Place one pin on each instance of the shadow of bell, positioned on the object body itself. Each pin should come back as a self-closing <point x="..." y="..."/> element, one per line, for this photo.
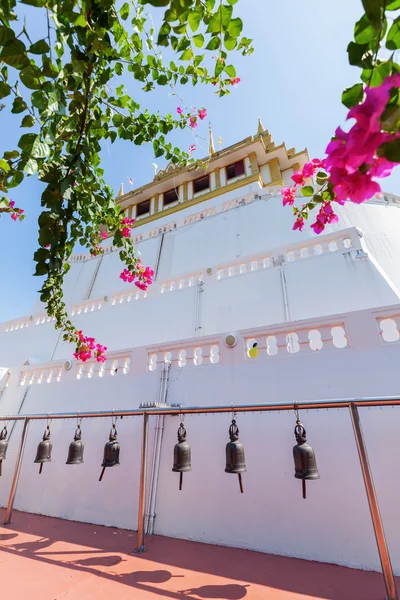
<point x="147" y="577"/>
<point x="224" y="592"/>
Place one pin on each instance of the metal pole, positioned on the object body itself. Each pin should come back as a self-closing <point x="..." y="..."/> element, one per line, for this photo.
<point x="212" y="409"/>
<point x="142" y="487"/>
<point x="373" y="506"/>
<point x="16" y="473"/>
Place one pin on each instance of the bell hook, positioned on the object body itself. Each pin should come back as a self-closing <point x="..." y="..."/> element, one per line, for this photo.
<point x="305" y="464"/>
<point x="3" y="445"/>
<point x="235" y="462"/>
<point x="182" y="455"/>
<point x="111" y="451"/>
<point x="75" y="450"/>
<point x="43" y="454"/>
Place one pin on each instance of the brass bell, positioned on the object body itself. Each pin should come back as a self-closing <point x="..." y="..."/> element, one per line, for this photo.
<point x="3" y="445"/>
<point x="75" y="451"/>
<point x="305" y="464"/>
<point x="182" y="455"/>
<point x="111" y="452"/>
<point x="235" y="454"/>
<point x="43" y="454"/>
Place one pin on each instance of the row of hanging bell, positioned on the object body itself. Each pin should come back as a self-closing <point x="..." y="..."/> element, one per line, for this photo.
<point x="303" y="455"/>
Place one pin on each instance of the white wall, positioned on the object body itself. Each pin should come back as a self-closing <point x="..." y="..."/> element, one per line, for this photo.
<point x="332" y="525"/>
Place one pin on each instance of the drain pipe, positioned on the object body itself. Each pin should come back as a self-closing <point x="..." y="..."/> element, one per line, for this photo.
<point x="158" y="259"/>
<point x="94" y="277"/>
<point x="197" y="309"/>
<point x="157" y="453"/>
<point x="284" y="293"/>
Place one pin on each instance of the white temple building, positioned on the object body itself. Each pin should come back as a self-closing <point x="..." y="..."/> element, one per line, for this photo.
<point x="229" y="272"/>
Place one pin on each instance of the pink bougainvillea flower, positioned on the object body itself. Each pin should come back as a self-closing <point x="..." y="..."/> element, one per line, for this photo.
<point x="125" y="232"/>
<point x="12" y="203"/>
<point x="141" y="285"/>
<point x="47" y="246"/>
<point x="103" y="234"/>
<point x="299" y="224"/>
<point x="14" y="216"/>
<point x="235" y="80"/>
<point x="318" y="227"/>
<point x="202" y="113"/>
<point x="289" y="195"/>
<point x="20" y="211"/>
<point x="179" y="110"/>
<point x="356" y="187"/>
<point x="127" y="221"/>
<point x="381" y="167"/>
<point x="298" y="177"/>
<point x="193" y="122"/>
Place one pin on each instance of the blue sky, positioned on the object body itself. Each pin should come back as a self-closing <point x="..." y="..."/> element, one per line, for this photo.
<point x="293" y="81"/>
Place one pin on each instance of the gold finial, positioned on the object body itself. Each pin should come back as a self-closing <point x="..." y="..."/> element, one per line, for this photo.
<point x="121" y="190"/>
<point x="211" y="147"/>
<point x="260" y="128"/>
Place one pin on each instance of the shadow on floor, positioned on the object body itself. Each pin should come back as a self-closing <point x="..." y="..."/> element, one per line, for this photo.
<point x="318" y="580"/>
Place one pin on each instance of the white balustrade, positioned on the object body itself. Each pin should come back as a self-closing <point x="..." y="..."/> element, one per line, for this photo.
<point x="389" y="327"/>
<point x="193" y="354"/>
<point x="300" y="339"/>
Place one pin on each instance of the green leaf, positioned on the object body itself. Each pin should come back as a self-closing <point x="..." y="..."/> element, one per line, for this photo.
<point x="235" y="27"/>
<point x="393" y="5"/>
<point x="14" y="54"/>
<point x="18" y="106"/>
<point x="80" y="21"/>
<point x="28" y="121"/>
<point x="380" y="73"/>
<point x="307" y="190"/>
<point x="6" y="35"/>
<point x="31" y="167"/>
<point x="214" y="43"/>
<point x="198" y="40"/>
<point x="156" y="2"/>
<point x="373" y="10"/>
<point x="30" y="143"/>
<point x="360" y="55"/>
<point x="187" y="55"/>
<point x="230" y="43"/>
<point x="30" y="77"/>
<point x="364" y="32"/>
<point x="352" y="96"/>
<point x="124" y="11"/>
<point x="232" y="2"/>
<point x="393" y="36"/>
<point x="117" y="120"/>
<point x="4" y="89"/>
<point x="390" y="150"/>
<point x="4" y="165"/>
<point x="194" y="19"/>
<point x="37" y="3"/>
<point x="40" y="47"/>
<point x="230" y="71"/>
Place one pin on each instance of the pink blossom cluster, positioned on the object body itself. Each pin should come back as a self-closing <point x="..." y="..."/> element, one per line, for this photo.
<point x="325" y="216"/>
<point x="235" y="81"/>
<point x="201" y="114"/>
<point x="87" y="347"/>
<point x="16" y="213"/>
<point x="142" y="277"/>
<point x="126" y="230"/>
<point x="352" y="160"/>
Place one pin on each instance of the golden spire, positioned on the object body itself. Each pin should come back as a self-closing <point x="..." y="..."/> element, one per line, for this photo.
<point x="260" y="128"/>
<point x="211" y="147"/>
<point x="121" y="190"/>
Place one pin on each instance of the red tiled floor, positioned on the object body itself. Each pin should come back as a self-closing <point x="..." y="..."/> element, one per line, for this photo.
<point x="48" y="559"/>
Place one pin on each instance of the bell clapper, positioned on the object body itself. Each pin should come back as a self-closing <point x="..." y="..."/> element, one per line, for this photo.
<point x="1" y="462"/>
<point x="240" y="482"/>
<point x="40" y="468"/>
<point x="102" y="473"/>
<point x="180" y="481"/>
<point x="304" y="488"/>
